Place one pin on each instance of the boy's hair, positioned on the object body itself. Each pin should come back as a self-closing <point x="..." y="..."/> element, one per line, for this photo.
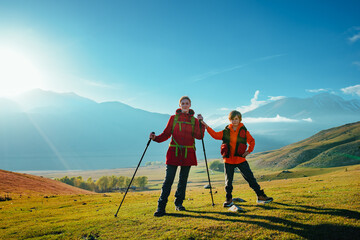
<point x="233" y="114"/>
<point x="184" y="97"/>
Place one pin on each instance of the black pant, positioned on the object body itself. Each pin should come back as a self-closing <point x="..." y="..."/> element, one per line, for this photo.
<point x="169" y="179"/>
<point x="247" y="174"/>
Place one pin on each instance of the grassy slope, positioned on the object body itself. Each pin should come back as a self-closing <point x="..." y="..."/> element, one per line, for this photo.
<point x="318" y="207"/>
<point x="329" y="148"/>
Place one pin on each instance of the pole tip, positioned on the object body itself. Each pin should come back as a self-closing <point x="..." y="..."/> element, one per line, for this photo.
<point x="115" y="215"/>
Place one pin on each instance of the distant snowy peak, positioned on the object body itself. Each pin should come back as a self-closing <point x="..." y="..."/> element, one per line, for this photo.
<point x="319" y="106"/>
<point x="330" y="100"/>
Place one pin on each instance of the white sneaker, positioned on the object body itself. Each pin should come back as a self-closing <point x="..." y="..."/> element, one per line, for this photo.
<point x="228" y="203"/>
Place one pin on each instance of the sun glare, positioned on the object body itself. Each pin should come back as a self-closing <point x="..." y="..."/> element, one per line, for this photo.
<point x="17" y="73"/>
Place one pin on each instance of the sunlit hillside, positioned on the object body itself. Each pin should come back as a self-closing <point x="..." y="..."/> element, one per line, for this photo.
<point x="338" y="146"/>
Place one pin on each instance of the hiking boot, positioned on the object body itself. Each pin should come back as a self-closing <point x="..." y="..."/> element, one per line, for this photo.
<point x="159" y="213"/>
<point x="262" y="198"/>
<point x="228" y="203"/>
<point x="180" y="208"/>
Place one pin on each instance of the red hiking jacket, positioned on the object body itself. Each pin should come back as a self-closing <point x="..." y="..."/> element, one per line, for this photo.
<point x="184" y="154"/>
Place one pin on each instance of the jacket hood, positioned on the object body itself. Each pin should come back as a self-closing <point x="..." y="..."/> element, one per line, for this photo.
<point x="191" y="112"/>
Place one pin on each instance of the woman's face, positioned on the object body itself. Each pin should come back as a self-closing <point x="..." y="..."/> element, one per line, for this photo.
<point x="185" y="105"/>
<point x="235" y="121"/>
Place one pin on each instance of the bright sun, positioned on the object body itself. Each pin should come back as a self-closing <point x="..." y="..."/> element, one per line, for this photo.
<point x="17" y="73"/>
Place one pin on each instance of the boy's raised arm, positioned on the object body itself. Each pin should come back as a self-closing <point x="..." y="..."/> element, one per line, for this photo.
<point x="213" y="134"/>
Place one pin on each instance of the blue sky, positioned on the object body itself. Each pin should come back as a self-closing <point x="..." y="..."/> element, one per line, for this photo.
<point x="223" y="54"/>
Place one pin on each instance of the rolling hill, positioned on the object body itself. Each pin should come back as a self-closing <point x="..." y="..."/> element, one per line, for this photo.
<point x="26" y="184"/>
<point x="339" y="146"/>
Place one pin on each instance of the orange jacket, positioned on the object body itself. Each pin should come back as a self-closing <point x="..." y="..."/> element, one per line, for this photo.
<point x="233" y="136"/>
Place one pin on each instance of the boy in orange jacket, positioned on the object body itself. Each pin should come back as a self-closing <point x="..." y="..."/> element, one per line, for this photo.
<point x="234" y="150"/>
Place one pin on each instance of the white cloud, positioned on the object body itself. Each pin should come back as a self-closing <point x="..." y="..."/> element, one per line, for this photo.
<point x="353" y="90"/>
<point x="272" y="98"/>
<point x="276" y="119"/>
<point x="254" y="104"/>
<point x="307" y="120"/>
<point x="354" y="34"/>
<point x="224" y="109"/>
<point x="354" y="38"/>
<point x="317" y="90"/>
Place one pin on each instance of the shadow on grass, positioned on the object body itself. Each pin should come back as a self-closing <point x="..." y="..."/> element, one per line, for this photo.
<point x="319" y="210"/>
<point x="305" y="230"/>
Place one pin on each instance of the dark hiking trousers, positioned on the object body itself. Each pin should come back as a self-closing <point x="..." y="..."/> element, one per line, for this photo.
<point x="247" y="174"/>
<point x="169" y="179"/>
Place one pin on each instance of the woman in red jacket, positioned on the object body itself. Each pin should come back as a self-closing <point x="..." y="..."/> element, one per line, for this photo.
<point x="184" y="128"/>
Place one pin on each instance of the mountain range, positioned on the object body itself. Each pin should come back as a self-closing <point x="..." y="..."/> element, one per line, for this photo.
<point x="304" y="117"/>
<point x="317" y="108"/>
<point x="47" y="130"/>
<point x="43" y="130"/>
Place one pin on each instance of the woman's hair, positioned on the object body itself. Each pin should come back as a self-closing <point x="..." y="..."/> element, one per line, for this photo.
<point x="184" y="97"/>
<point x="233" y="114"/>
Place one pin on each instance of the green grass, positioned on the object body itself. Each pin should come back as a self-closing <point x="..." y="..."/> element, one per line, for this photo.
<point x="325" y="206"/>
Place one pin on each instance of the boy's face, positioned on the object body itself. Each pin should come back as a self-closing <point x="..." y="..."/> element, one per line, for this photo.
<point x="235" y="121"/>
<point x="185" y="105"/>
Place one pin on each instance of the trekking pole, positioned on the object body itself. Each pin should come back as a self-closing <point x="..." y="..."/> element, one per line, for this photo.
<point x="207" y="169"/>
<point x="147" y="145"/>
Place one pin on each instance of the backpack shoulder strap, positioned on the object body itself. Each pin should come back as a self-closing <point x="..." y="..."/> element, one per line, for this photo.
<point x="192" y="122"/>
<point x="193" y="125"/>
<point x="174" y="122"/>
